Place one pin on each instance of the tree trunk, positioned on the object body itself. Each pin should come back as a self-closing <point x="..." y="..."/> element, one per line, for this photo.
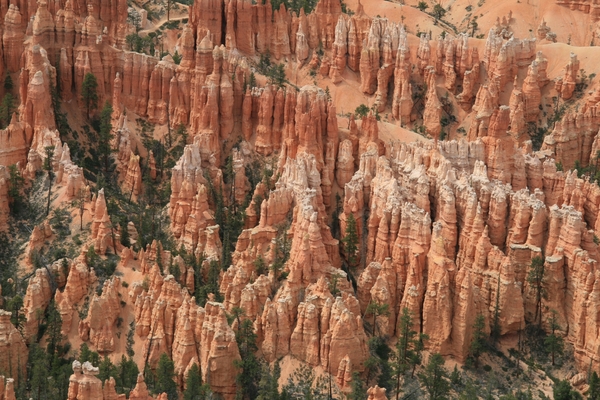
<point x="374" y="323"/>
<point x="49" y="192"/>
<point x="112" y="232"/>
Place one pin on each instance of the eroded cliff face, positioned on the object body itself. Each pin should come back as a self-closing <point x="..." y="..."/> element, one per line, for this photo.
<point x="446" y="227"/>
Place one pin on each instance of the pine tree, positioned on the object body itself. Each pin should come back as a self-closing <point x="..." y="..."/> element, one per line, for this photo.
<point x="80" y="203"/>
<point x="276" y="75"/>
<point x="164" y="377"/>
<point x="594" y="391"/>
<point x="130" y="340"/>
<point x="438" y="12"/>
<point x="536" y="280"/>
<point x="48" y="168"/>
<point x="478" y="339"/>
<point x="6" y="109"/>
<point x="16" y="182"/>
<point x="403" y="347"/>
<point x="105" y="137"/>
<point x="85" y="354"/>
<point x="53" y="330"/>
<point x="496" y="329"/>
<point x="194" y="389"/>
<point x="302" y="384"/>
<point x="554" y="342"/>
<point x="8" y="83"/>
<point x="236" y="315"/>
<point x="415" y="357"/>
<point x="38" y="380"/>
<point x="106" y="369"/>
<point x="350" y="241"/>
<point x="379" y="370"/>
<point x="17" y="318"/>
<point x="377" y="310"/>
<point x="127" y="373"/>
<point x="249" y="367"/>
<point x="469" y="393"/>
<point x="434" y="378"/>
<point x="359" y="391"/>
<point x="563" y="391"/>
<point x="268" y="387"/>
<point x="455" y="377"/>
<point x="361" y="111"/>
<point x="89" y="92"/>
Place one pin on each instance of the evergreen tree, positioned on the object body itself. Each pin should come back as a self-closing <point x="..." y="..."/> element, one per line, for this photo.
<point x="594" y="391"/>
<point x="554" y="342"/>
<point x="249" y="367"/>
<point x="130" y="340"/>
<point x="85" y="354"/>
<point x="379" y="370"/>
<point x="438" y="12"/>
<point x="434" y="378"/>
<point x="563" y="391"/>
<point x="455" y="377"/>
<point x="361" y="111"/>
<point x="193" y="384"/>
<point x="8" y="83"/>
<point x="80" y="203"/>
<point x="377" y="310"/>
<point x="17" y="318"/>
<point x="53" y="330"/>
<point x="415" y="355"/>
<point x="406" y="336"/>
<point x="40" y="367"/>
<point x="268" y="387"/>
<point x="194" y="389"/>
<point x="478" y="340"/>
<point x="335" y="217"/>
<point x="125" y="241"/>
<point x="105" y="137"/>
<point x="235" y="315"/>
<point x="303" y="384"/>
<point x="469" y="393"/>
<point x="536" y="280"/>
<point x="127" y="373"/>
<point x="6" y="109"/>
<point x="211" y="285"/>
<point x="359" y="391"/>
<point x="496" y="329"/>
<point x="48" y="168"/>
<point x="106" y="369"/>
<point x="16" y="182"/>
<point x="164" y="377"/>
<point x="350" y="241"/>
<point x="89" y="92"/>
<point x="276" y="75"/>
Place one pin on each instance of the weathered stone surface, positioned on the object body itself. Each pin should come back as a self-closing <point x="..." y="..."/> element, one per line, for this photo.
<point x="13" y="346"/>
<point x="99" y="325"/>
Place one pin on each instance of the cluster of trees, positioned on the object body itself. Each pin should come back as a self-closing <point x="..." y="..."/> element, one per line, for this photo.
<point x="140" y="44"/>
<point x="295" y="5"/>
<point x="392" y="368"/>
<point x="7" y="107"/>
<point x="275" y="73"/>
